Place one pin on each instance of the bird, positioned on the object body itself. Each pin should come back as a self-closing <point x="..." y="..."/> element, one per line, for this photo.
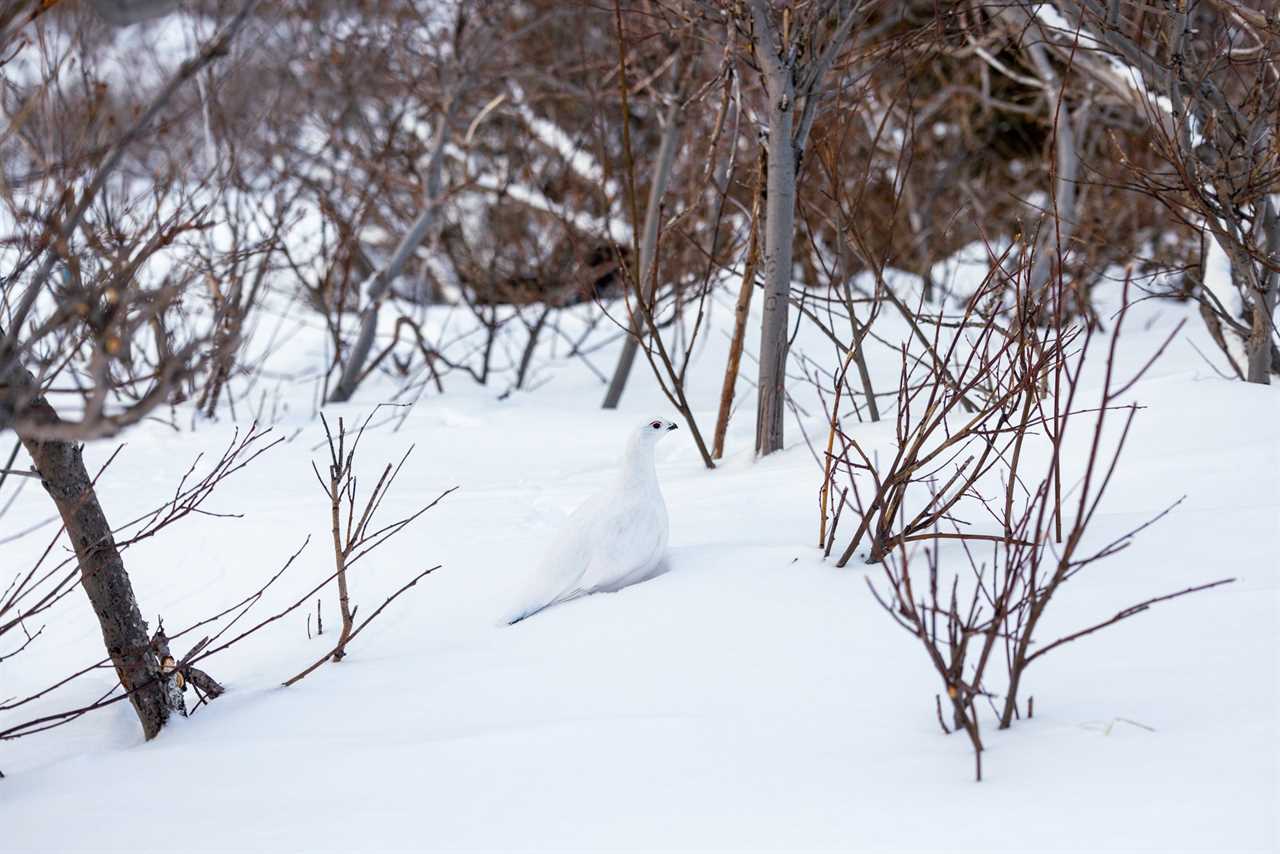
<point x="617" y="538"/>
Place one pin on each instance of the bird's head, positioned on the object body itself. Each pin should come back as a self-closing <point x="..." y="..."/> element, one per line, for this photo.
<point x="654" y="429"/>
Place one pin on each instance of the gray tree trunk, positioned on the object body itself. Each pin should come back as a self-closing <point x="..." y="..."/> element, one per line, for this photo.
<point x="645" y="290"/>
<point x="352" y="371"/>
<point x="779" y="235"/>
<point x="102" y="571"/>
<point x="1259" y="344"/>
<point x="1056" y="240"/>
<point x="779" y="57"/>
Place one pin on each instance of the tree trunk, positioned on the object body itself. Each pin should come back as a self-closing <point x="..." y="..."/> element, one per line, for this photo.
<point x="1054" y="244"/>
<point x="778" y="55"/>
<point x="102" y="572"/>
<point x="741" y="309"/>
<point x="352" y="371"/>
<point x="645" y="289"/>
<point x="780" y="215"/>
<point x="1258" y="345"/>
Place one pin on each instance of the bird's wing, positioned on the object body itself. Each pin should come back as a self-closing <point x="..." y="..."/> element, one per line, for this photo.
<point x="558" y="577"/>
<point x="630" y="542"/>
<point x="613" y="540"/>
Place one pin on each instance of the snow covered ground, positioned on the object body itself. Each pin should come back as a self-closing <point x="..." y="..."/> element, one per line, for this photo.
<point x="753" y="698"/>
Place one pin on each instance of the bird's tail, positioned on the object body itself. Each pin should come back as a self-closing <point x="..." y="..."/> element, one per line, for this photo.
<point x="526" y="614"/>
<point x="537" y="609"/>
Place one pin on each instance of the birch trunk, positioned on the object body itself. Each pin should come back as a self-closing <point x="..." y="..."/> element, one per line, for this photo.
<point x="779" y="224"/>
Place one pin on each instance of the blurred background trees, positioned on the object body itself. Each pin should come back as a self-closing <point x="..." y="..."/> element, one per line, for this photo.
<point x="525" y="140"/>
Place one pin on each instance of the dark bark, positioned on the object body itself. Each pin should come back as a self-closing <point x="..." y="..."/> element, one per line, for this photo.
<point x="60" y="465"/>
<point x="173" y="682"/>
<point x="1259" y="344"/>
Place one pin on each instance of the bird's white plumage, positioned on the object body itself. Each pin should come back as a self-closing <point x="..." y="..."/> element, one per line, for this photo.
<point x="617" y="538"/>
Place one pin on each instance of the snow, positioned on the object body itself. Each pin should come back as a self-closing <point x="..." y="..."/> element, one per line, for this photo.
<point x="752" y="697"/>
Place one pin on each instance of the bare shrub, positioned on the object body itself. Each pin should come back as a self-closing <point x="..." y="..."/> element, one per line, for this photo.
<point x="1002" y="368"/>
<point x="359" y="537"/>
<point x="978" y="616"/>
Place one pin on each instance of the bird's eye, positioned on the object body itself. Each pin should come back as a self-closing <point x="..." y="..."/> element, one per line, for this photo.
<point x="655" y="425"/>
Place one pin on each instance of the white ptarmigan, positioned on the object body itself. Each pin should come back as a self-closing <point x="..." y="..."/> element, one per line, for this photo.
<point x="617" y="538"/>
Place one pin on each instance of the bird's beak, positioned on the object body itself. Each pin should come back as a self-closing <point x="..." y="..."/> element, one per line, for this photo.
<point x="672" y="427"/>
